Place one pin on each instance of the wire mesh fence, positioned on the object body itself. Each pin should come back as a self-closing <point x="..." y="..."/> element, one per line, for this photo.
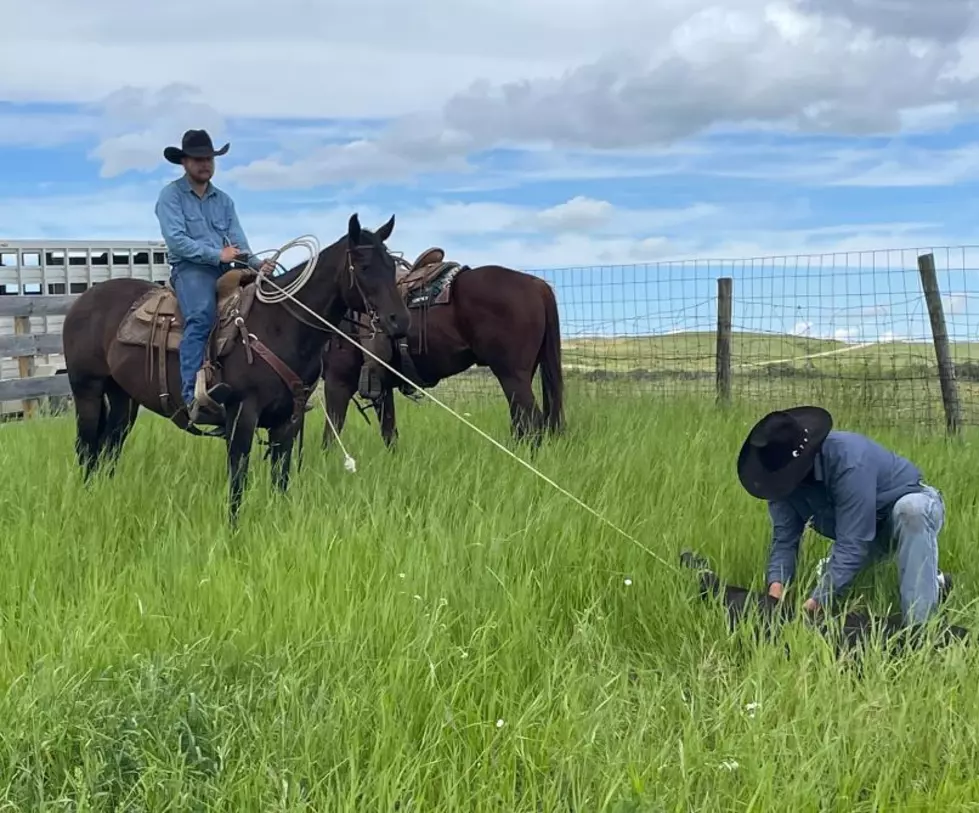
<point x="848" y="330"/>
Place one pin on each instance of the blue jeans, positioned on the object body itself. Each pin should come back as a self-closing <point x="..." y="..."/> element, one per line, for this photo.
<point x="196" y="290"/>
<point x="911" y="531"/>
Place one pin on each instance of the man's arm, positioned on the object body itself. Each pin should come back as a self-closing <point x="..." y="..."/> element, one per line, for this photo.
<point x="174" y="230"/>
<point x="854" y="492"/>
<point x="236" y="234"/>
<point x="787" y="528"/>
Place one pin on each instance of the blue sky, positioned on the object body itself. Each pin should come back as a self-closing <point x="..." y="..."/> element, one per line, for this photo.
<point x="693" y="131"/>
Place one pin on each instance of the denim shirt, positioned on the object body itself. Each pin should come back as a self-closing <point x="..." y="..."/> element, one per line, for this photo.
<point x="194" y="227"/>
<point x="848" y="498"/>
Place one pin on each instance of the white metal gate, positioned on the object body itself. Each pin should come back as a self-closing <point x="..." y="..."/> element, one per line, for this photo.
<point x="52" y="267"/>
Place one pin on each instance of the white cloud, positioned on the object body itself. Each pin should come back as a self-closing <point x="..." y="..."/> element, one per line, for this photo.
<point x="137" y="125"/>
<point x="943" y="20"/>
<point x="737" y="65"/>
<point x="518" y="235"/>
<point x="955" y="304"/>
<point x="613" y="74"/>
<point x="579" y="213"/>
<point x="46" y="130"/>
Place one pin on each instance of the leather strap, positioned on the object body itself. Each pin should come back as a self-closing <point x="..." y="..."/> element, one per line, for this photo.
<point x="293" y="381"/>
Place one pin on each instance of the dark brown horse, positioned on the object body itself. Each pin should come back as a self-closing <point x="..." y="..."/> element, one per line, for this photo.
<point x="490" y="316"/>
<point x="269" y="354"/>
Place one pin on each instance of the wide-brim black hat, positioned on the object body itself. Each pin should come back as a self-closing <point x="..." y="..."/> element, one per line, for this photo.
<point x="779" y="450"/>
<point x="195" y="144"/>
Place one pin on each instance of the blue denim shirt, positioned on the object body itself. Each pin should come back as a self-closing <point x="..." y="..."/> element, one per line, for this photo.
<point x="848" y="498"/>
<point x="194" y="227"/>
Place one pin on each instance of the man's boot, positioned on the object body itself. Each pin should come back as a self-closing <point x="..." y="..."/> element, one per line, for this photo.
<point x="205" y="408"/>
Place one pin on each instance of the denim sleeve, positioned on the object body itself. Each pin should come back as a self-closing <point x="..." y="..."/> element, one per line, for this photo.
<point x="236" y="234"/>
<point x="854" y="492"/>
<point x="174" y="230"/>
<point x="787" y="528"/>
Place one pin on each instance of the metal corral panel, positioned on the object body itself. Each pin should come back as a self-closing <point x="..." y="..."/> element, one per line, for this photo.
<point x="68" y="267"/>
<point x="71" y="266"/>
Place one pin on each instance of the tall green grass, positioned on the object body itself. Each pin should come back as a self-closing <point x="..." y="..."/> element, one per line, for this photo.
<point x="441" y="631"/>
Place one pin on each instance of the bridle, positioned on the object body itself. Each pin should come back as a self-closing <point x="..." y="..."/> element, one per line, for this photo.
<point x="350" y="271"/>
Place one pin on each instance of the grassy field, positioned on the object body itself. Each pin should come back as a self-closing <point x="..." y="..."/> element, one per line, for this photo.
<point x="691" y="351"/>
<point x="441" y="631"/>
<point x="895" y="383"/>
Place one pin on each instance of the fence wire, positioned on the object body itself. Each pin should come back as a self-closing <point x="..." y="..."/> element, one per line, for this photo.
<point x="847" y="330"/>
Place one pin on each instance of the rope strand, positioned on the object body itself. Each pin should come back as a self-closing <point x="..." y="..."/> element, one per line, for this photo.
<point x="283" y="294"/>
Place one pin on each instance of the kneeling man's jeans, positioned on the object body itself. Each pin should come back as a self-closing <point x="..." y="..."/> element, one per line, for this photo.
<point x="911" y="532"/>
<point x="196" y="289"/>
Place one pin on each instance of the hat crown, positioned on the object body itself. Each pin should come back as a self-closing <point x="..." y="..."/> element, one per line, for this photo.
<point x="196" y="138"/>
<point x="779" y="439"/>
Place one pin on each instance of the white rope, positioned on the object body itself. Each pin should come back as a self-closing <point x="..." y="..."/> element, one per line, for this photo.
<point x="287" y="295"/>
<point x="348" y="462"/>
<point x="311" y="244"/>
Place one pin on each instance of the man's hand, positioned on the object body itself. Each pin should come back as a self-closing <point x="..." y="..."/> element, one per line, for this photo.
<point x="811" y="606"/>
<point x="228" y="253"/>
<point x="267" y="267"/>
<point x="776" y="590"/>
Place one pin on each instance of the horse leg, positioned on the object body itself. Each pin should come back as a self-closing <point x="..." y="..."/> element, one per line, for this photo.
<point x="119" y="422"/>
<point x="281" y="441"/>
<point x="90" y="418"/>
<point x="338" y="398"/>
<point x="526" y="419"/>
<point x="240" y="427"/>
<point x="384" y="407"/>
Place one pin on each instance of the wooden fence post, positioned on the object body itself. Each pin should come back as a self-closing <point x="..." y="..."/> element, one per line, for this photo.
<point x="939" y="333"/>
<point x="29" y="388"/>
<point x="25" y="364"/>
<point x="723" y="357"/>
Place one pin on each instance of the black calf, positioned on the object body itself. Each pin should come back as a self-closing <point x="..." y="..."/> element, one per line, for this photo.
<point x="852" y="631"/>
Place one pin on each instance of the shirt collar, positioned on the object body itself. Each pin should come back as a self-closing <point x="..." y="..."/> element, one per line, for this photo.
<point x="817" y="467"/>
<point x="184" y="184"/>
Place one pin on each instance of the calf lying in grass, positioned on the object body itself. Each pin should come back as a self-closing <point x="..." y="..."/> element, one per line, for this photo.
<point x="847" y="633"/>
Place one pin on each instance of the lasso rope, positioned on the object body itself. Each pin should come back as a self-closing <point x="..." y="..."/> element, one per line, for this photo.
<point x="275" y="297"/>
<point x="282" y="294"/>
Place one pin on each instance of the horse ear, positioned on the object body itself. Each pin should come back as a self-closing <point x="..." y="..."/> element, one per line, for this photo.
<point x="384" y="232"/>
<point x="353" y="230"/>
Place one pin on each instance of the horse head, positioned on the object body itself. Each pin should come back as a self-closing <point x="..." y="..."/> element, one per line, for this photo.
<point x="370" y="286"/>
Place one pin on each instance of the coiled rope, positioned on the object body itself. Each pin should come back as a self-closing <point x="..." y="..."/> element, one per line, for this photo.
<point x="278" y="294"/>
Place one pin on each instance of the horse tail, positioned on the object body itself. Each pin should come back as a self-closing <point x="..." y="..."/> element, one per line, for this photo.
<point x="549" y="358"/>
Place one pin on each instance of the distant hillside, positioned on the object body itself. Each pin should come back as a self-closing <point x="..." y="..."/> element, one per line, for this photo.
<point x="695" y="351"/>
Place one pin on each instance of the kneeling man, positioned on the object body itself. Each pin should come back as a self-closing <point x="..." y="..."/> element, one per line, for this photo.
<point x="870" y="501"/>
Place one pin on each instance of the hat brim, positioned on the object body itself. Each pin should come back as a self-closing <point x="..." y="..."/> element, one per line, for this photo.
<point x="175" y="155"/>
<point x="764" y="484"/>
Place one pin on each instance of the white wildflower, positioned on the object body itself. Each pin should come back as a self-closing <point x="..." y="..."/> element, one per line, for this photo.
<point x="499" y="724"/>
<point x="730" y="765"/>
<point x="628" y="582"/>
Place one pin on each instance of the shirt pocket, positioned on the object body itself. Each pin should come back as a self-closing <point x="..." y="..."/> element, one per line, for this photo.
<point x="220" y="221"/>
<point x="196" y="226"/>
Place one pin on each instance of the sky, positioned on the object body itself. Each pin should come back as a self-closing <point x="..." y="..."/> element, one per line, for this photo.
<point x="629" y="152"/>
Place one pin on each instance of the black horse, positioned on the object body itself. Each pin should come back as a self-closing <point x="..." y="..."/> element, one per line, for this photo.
<point x="121" y="338"/>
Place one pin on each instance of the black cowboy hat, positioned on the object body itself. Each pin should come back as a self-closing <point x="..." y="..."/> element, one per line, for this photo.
<point x="779" y="450"/>
<point x="195" y="144"/>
